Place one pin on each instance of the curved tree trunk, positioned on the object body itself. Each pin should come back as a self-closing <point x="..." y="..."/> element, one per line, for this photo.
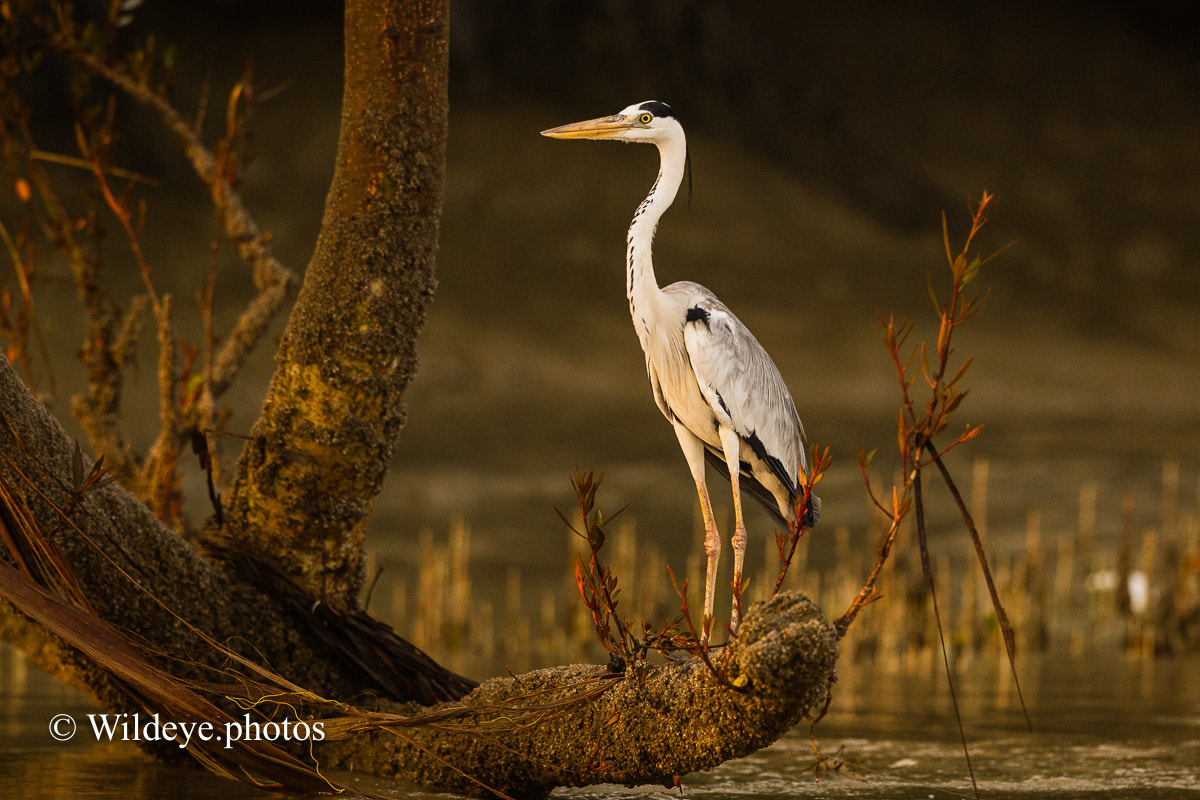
<point x="144" y="579"/>
<point x="318" y="453"/>
<point x="522" y="735"/>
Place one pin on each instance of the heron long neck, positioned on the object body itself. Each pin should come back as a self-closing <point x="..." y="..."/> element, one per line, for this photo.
<point x="641" y="286"/>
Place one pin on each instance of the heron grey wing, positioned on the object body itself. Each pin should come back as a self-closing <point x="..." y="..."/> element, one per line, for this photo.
<point x="743" y="386"/>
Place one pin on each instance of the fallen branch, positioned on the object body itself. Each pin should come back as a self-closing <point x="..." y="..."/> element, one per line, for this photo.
<point x="556" y="729"/>
<point x="522" y="735"/>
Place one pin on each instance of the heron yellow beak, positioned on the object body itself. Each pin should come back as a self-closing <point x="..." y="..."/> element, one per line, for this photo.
<point x="602" y="128"/>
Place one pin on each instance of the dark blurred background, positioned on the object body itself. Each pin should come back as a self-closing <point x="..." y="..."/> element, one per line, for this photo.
<point x="856" y="100"/>
<point x="874" y="103"/>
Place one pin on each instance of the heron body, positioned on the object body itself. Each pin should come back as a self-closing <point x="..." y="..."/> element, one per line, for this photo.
<point x="710" y="377"/>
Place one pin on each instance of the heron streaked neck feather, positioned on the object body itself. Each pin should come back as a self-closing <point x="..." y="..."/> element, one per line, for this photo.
<point x="641" y="286"/>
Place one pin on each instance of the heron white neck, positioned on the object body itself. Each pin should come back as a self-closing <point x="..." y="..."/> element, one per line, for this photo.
<point x="641" y="286"/>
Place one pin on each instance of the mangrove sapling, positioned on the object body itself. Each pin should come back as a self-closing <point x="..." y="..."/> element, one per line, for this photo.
<point x="922" y="417"/>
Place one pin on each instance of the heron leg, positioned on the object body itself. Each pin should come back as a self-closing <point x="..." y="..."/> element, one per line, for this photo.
<point x="731" y="445"/>
<point x="693" y="451"/>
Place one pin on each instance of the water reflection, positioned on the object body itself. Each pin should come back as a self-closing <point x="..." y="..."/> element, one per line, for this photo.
<point x="1133" y="732"/>
<point x="1103" y="726"/>
<point x="35" y="764"/>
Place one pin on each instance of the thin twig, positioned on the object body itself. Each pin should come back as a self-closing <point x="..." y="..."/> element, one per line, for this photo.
<point x="271" y="278"/>
<point x="927" y="570"/>
<point x="1006" y="629"/>
<point x="867" y="593"/>
<point x="84" y="164"/>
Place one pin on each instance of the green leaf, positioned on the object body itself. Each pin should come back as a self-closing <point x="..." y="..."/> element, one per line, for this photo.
<point x="961" y="371"/>
<point x="955" y="400"/>
<point x="970" y="271"/>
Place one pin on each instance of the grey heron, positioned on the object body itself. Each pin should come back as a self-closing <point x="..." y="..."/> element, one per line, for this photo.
<point x="711" y="378"/>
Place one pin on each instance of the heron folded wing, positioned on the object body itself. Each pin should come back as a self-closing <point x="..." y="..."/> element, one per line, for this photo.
<point x="743" y="386"/>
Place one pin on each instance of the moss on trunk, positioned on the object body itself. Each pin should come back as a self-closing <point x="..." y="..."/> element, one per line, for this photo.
<point x="319" y="450"/>
<point x="580" y="725"/>
<point x="111" y="540"/>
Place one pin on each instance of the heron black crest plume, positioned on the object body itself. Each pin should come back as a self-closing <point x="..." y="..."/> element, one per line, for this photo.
<point x="660" y="109"/>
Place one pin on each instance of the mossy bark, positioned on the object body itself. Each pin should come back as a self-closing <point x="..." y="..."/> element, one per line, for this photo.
<point x="318" y="453"/>
<point x="645" y="727"/>
<point x="147" y="581"/>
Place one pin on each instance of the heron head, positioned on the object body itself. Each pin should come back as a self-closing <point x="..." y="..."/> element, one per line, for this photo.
<point x="652" y="122"/>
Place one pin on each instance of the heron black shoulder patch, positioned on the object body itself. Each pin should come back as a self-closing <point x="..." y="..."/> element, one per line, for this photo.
<point x="774" y="464"/>
<point x="697" y="314"/>
<point x="657" y="109"/>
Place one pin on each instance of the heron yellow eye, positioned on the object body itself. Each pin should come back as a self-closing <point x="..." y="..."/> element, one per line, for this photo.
<point x="645" y="118"/>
